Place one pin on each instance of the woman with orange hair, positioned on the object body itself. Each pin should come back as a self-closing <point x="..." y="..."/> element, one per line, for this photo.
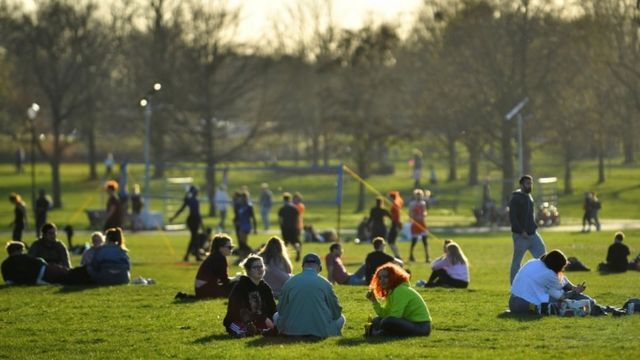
<point x="404" y="312"/>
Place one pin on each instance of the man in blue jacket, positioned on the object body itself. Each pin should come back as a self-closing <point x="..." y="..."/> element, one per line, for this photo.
<point x="523" y="225"/>
<point x="308" y="304"/>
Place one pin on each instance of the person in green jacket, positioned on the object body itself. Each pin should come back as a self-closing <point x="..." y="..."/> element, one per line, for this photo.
<point x="404" y="312"/>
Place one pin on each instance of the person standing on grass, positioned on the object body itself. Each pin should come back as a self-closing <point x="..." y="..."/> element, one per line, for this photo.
<point x="396" y="224"/>
<point x="251" y="304"/>
<point x="246" y="222"/>
<point x="404" y="312"/>
<point x="279" y="268"/>
<point x="297" y="203"/>
<point x="114" y="210"/>
<point x="288" y="216"/>
<point x="41" y="207"/>
<point x="19" y="216"/>
<point x="194" y="221"/>
<point x="523" y="225"/>
<point x="376" y="219"/>
<point x="221" y="199"/>
<point x="266" y="200"/>
<point x="308" y="304"/>
<point x="418" y="215"/>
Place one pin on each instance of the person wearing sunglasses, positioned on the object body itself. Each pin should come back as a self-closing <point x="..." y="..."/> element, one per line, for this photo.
<point x="212" y="279"/>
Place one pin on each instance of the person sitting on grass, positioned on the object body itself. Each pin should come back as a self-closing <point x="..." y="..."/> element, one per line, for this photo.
<point x="617" y="254"/>
<point x="97" y="240"/>
<point x="337" y="273"/>
<point x="212" y="280"/>
<point x="251" y="304"/>
<point x="49" y="248"/>
<point x="376" y="258"/>
<point x="110" y="263"/>
<point x="22" y="269"/>
<point x="308" y="304"/>
<point x="279" y="269"/>
<point x="450" y="269"/>
<point x="541" y="282"/>
<point x="404" y="312"/>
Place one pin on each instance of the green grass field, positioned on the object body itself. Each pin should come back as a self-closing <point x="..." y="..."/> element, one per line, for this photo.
<point x="144" y="322"/>
<point x="137" y="321"/>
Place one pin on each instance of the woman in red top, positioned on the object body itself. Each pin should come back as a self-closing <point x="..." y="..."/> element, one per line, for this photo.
<point x="396" y="204"/>
<point x="418" y="215"/>
<point x="212" y="280"/>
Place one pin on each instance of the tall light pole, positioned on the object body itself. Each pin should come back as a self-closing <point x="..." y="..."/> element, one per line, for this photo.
<point x="146" y="104"/>
<point x="32" y="112"/>
<point x="517" y="111"/>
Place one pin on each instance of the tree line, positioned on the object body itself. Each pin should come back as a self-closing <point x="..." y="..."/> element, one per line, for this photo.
<point x="321" y="92"/>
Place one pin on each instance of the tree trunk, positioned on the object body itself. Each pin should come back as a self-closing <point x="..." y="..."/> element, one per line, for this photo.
<point x="568" y="188"/>
<point x="451" y="149"/>
<point x="601" y="177"/>
<point x="91" y="149"/>
<point x="628" y="142"/>
<point x="526" y="154"/>
<point x="474" y="159"/>
<point x="315" y="149"/>
<point x="325" y="149"/>
<point x="55" y="167"/>
<point x="210" y="174"/>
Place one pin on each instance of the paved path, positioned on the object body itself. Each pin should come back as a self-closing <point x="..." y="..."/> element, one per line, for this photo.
<point x="607" y="225"/>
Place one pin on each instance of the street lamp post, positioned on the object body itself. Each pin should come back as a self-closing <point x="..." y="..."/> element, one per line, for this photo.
<point x="32" y="112"/>
<point x="517" y="111"/>
<point x="146" y="103"/>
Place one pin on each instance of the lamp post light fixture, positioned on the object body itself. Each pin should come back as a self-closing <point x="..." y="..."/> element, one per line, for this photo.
<point x="146" y="104"/>
<point x="32" y="112"/>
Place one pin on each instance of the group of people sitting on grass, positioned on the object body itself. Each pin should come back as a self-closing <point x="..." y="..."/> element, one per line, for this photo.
<point x="47" y="261"/>
<point x="306" y="302"/>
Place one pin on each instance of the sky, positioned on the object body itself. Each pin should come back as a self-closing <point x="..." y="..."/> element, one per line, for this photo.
<point x="258" y="15"/>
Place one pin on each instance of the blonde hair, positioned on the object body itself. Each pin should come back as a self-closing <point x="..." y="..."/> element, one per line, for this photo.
<point x="455" y="254"/>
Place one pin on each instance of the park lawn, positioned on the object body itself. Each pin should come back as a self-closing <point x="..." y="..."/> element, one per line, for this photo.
<point x="620" y="194"/>
<point x="137" y="321"/>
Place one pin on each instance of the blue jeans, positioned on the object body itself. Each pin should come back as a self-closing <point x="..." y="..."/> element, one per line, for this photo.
<point x="264" y="214"/>
<point x="521" y="244"/>
<point x="358" y="277"/>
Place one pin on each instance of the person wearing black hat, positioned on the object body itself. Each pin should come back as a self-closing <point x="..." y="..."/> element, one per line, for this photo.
<point x="308" y="303"/>
<point x="194" y="220"/>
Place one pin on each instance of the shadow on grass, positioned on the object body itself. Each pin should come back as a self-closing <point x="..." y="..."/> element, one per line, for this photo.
<point x="279" y="340"/>
<point x="211" y="338"/>
<point x="66" y="289"/>
<point x="522" y="317"/>
<point x="357" y="341"/>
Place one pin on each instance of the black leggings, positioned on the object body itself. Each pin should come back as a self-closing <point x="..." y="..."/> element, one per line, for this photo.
<point x="441" y="278"/>
<point x="193" y="223"/>
<point x="393" y="326"/>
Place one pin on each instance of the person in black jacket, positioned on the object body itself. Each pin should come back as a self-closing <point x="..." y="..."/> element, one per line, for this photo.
<point x="251" y="303"/>
<point x="617" y="256"/>
<point x="523" y="225"/>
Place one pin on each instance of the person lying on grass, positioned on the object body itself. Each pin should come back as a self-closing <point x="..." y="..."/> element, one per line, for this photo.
<point x="404" y="312"/>
<point x="251" y="304"/>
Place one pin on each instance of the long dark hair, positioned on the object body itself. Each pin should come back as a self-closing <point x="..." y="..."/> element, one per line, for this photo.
<point x="555" y="260"/>
<point x="219" y="240"/>
<point x="116" y="236"/>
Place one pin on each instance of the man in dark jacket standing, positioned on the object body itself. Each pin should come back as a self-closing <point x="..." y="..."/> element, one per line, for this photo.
<point x="523" y="225"/>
